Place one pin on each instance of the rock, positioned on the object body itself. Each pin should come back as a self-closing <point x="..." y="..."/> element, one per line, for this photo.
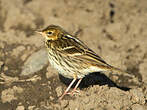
<point x="35" y="62"/>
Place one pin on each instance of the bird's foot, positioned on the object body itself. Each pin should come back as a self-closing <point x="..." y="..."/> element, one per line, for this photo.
<point x="73" y="92"/>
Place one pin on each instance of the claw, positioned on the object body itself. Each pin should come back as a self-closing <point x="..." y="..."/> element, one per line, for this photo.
<point x="73" y="92"/>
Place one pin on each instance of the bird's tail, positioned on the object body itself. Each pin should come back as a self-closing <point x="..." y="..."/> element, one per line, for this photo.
<point x="117" y="70"/>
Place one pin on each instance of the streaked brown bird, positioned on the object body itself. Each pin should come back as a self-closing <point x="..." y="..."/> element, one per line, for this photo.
<point x="71" y="57"/>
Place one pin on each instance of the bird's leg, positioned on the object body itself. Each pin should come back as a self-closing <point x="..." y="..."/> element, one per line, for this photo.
<point x="66" y="91"/>
<point x="74" y="91"/>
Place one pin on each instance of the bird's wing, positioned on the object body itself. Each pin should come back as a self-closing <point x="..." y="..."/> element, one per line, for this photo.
<point x="79" y="50"/>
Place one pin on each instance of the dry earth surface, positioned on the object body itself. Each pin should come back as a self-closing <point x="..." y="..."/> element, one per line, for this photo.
<point x="115" y="29"/>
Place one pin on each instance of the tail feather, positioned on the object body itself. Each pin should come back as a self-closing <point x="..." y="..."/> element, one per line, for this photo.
<point x="118" y="70"/>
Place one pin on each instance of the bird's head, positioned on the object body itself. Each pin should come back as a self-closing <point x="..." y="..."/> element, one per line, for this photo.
<point x="52" y="32"/>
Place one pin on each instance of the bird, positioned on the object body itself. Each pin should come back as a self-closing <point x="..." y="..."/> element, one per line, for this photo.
<point x="71" y="57"/>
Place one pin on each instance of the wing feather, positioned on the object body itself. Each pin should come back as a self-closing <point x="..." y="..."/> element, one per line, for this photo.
<point x="80" y="51"/>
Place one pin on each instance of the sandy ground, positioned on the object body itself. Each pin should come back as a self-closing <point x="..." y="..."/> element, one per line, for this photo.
<point x="115" y="29"/>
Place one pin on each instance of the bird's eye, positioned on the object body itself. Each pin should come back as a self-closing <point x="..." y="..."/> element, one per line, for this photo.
<point x="49" y="32"/>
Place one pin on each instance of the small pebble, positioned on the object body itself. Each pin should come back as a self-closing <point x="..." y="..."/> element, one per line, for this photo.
<point x="52" y="98"/>
<point x="20" y="108"/>
<point x="1" y="64"/>
<point x="50" y="72"/>
<point x="59" y="91"/>
<point x="137" y="107"/>
<point x="5" y="68"/>
<point x="31" y="107"/>
<point x="64" y="103"/>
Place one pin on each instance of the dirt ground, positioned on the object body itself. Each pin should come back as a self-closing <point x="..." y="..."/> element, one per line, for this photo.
<point x="114" y="29"/>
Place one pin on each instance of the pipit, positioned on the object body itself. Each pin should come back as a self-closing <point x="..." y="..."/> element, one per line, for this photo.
<point x="71" y="57"/>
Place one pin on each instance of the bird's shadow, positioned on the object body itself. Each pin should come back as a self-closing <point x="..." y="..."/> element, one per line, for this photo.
<point x="95" y="78"/>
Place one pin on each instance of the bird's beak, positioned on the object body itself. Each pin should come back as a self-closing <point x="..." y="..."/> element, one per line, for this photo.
<point x="40" y="32"/>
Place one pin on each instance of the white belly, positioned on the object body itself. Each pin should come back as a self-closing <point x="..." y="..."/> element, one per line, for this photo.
<point x="69" y="71"/>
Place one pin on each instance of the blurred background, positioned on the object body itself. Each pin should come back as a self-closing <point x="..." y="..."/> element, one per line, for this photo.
<point x="114" y="29"/>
